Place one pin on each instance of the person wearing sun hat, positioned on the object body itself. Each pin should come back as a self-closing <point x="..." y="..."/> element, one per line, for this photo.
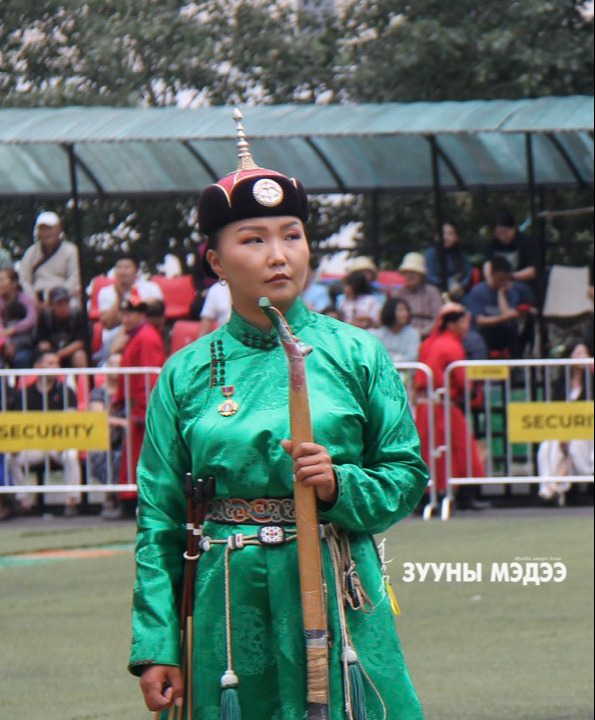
<point x="424" y="299"/>
<point x="52" y="261"/>
<point x="220" y="410"/>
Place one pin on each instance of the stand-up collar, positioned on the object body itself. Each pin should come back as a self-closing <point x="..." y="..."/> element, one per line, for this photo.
<point x="298" y="316"/>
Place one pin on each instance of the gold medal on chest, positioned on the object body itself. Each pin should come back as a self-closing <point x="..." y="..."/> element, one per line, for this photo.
<point x="228" y="406"/>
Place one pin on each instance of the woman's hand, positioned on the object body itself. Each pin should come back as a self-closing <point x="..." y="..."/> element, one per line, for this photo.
<point x="161" y="686"/>
<point x="313" y="467"/>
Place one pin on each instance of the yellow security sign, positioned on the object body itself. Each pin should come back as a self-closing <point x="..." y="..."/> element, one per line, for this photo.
<point x="537" y="421"/>
<point x="53" y="430"/>
<point x="488" y="372"/>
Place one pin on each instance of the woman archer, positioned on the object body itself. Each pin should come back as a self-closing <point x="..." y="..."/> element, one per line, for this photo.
<point x="220" y="409"/>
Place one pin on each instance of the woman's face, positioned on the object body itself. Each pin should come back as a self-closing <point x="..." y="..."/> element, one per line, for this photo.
<point x="258" y="257"/>
<point x="402" y="314"/>
<point x="580" y="351"/>
<point x="449" y="233"/>
<point x="7" y="286"/>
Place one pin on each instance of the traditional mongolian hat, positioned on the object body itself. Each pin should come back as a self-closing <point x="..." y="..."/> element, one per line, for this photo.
<point x="250" y="191"/>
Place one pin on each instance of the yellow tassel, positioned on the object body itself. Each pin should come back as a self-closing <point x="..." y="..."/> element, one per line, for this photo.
<point x="392" y="599"/>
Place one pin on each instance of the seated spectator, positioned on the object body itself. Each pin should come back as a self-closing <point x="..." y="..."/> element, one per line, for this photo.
<point x="315" y="294"/>
<point x="358" y="306"/>
<point x="576" y="457"/>
<point x="424" y="299"/>
<point x="458" y="268"/>
<point x="396" y="333"/>
<point x="17" y="322"/>
<point x="216" y="310"/>
<point x="110" y="297"/>
<point x="50" y="262"/>
<point x="61" y="329"/>
<point x="365" y="264"/>
<point x="47" y="393"/>
<point x="494" y="306"/>
<point x="509" y="243"/>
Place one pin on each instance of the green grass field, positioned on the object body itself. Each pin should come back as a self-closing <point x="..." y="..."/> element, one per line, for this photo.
<point x="481" y="651"/>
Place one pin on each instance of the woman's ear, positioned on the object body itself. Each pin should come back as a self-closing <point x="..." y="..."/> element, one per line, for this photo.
<point x="212" y="257"/>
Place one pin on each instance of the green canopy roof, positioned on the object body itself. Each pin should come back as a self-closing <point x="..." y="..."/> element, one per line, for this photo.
<point x="331" y="148"/>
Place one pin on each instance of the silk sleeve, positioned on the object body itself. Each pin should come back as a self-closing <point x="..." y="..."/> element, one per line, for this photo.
<point x="392" y="477"/>
<point x="160" y="542"/>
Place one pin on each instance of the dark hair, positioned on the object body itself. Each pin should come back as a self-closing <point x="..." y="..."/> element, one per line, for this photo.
<point x="450" y="318"/>
<point x="15" y="311"/>
<point x="39" y="354"/>
<point x="501" y="265"/>
<point x="358" y="282"/>
<point x="212" y="244"/>
<point x="129" y="258"/>
<point x="505" y="219"/>
<point x="389" y="309"/>
<point x="156" y="308"/>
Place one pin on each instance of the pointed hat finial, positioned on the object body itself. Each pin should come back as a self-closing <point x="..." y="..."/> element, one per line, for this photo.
<point x="245" y="161"/>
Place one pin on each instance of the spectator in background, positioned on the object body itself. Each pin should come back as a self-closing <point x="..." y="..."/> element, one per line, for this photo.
<point x="458" y="267"/>
<point x="216" y="310"/>
<point x="493" y="304"/>
<point x="576" y="457"/>
<point x="509" y="243"/>
<point x="443" y="347"/>
<point x="358" y="306"/>
<point x="17" y="322"/>
<point x="61" y="329"/>
<point x="365" y="264"/>
<point x="110" y="298"/>
<point x="47" y="393"/>
<point x="144" y="348"/>
<point x="50" y="262"/>
<point x="424" y="299"/>
<point x="396" y="333"/>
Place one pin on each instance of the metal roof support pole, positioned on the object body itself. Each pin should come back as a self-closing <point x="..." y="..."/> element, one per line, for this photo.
<point x="78" y="235"/>
<point x="541" y="240"/>
<point x="375" y="197"/>
<point x="438" y="212"/>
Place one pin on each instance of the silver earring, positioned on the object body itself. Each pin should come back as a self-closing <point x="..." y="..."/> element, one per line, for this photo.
<point x="222" y="282"/>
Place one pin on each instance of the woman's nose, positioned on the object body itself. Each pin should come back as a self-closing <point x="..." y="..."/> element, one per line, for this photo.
<point x="276" y="252"/>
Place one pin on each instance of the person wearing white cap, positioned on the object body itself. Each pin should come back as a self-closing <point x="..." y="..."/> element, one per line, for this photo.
<point x="51" y="261"/>
<point x="424" y="299"/>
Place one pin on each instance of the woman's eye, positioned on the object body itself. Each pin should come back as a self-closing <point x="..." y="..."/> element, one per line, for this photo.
<point x="293" y="236"/>
<point x="252" y="239"/>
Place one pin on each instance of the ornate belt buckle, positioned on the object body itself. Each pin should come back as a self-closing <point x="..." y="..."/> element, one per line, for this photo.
<point x="271" y="535"/>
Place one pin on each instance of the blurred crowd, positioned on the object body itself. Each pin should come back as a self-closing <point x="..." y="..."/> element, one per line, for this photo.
<point x="436" y="307"/>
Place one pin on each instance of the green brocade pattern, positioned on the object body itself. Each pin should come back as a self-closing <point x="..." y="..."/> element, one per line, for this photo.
<point x="360" y="414"/>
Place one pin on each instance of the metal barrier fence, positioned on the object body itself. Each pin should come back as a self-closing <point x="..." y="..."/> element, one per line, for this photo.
<point x="46" y="390"/>
<point x="485" y="397"/>
<point x="408" y="371"/>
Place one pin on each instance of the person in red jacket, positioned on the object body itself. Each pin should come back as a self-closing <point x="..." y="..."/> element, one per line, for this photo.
<point x="443" y="347"/>
<point x="145" y="348"/>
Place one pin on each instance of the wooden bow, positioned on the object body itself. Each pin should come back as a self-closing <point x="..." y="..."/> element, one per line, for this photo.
<point x="308" y="535"/>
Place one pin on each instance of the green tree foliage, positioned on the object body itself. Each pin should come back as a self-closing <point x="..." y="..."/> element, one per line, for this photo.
<point x="163" y="52"/>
